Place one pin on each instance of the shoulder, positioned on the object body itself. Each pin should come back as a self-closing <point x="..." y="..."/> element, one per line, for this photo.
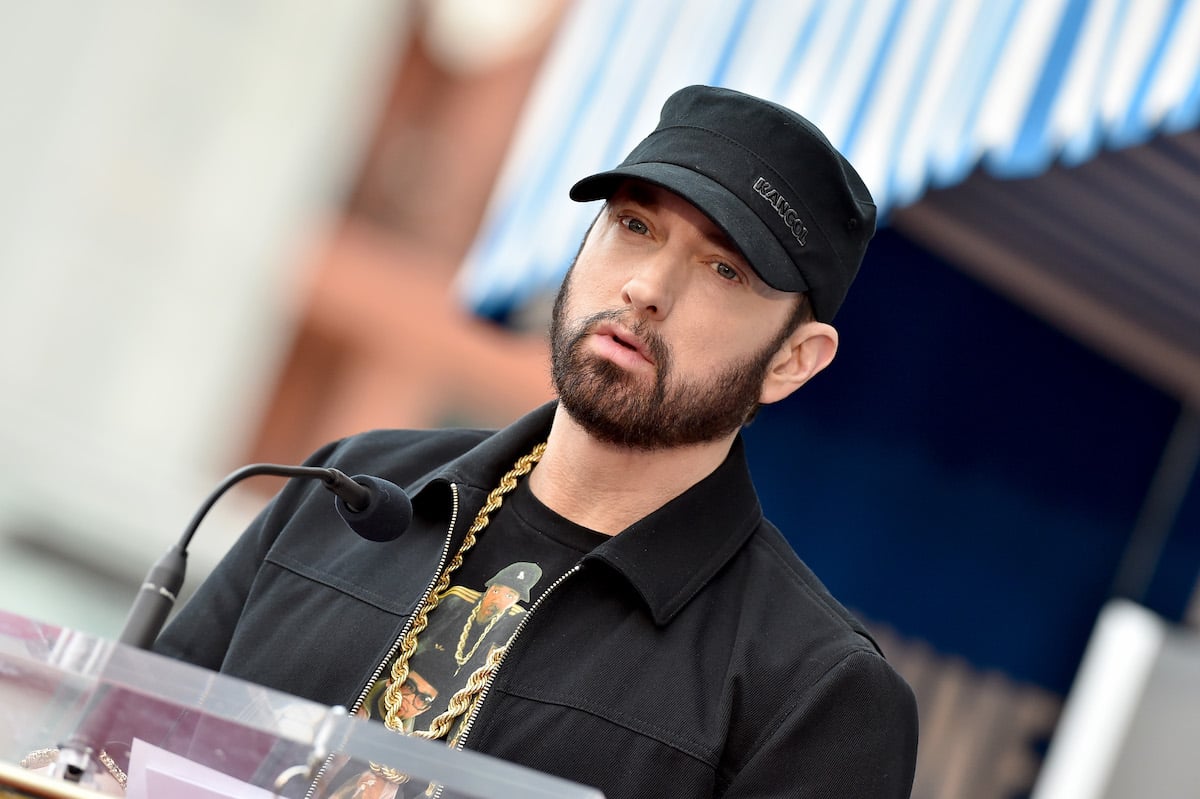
<point x="771" y="558"/>
<point x="438" y="444"/>
<point x="822" y="674"/>
<point x="781" y="600"/>
<point x="401" y="456"/>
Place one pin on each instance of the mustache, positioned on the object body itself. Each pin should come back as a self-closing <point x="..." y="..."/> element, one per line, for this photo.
<point x="640" y="327"/>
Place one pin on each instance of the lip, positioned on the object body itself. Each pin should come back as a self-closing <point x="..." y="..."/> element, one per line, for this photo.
<point x="620" y="344"/>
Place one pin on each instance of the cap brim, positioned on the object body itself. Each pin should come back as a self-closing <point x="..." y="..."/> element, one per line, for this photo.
<point x="745" y="229"/>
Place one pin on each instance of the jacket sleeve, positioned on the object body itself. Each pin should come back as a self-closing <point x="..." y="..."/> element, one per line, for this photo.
<point x="852" y="736"/>
<point x="201" y="631"/>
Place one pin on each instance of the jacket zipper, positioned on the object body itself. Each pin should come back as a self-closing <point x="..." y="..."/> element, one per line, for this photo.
<point x="461" y="741"/>
<point x="391" y="653"/>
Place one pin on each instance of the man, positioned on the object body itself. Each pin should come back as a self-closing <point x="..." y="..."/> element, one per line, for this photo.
<point x="346" y="779"/>
<point x="470" y="623"/>
<point x="675" y="645"/>
<point x="469" y="626"/>
<point x="417" y="695"/>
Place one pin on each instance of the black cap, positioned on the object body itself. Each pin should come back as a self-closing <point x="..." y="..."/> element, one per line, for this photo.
<point x="518" y="576"/>
<point x="768" y="178"/>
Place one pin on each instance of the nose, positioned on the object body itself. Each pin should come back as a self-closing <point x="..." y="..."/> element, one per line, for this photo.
<point x="652" y="286"/>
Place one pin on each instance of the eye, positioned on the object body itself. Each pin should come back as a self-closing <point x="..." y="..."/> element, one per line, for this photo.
<point x="726" y="271"/>
<point x="635" y="225"/>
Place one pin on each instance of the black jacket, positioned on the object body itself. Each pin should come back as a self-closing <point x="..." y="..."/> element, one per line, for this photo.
<point x="692" y="655"/>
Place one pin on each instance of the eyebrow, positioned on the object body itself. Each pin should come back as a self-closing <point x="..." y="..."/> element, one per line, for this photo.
<point x="641" y="194"/>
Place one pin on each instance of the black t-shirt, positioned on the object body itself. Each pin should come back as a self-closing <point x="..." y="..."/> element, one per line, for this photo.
<point x="522" y="551"/>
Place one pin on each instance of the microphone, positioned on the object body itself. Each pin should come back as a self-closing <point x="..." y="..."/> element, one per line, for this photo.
<point x="374" y="508"/>
<point x="383" y="515"/>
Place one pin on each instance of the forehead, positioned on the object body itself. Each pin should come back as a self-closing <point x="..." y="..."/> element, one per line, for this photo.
<point x="419" y="681"/>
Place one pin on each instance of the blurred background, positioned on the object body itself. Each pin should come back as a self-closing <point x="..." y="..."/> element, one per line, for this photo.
<point x="230" y="232"/>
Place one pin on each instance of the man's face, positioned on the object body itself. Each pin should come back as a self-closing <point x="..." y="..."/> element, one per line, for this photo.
<point x="497" y="599"/>
<point x="661" y="333"/>
<point x="416" y="695"/>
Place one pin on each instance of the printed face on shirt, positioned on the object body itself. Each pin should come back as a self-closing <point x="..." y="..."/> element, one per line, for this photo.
<point x="497" y="599"/>
<point x="662" y="334"/>
<point x="416" y="695"/>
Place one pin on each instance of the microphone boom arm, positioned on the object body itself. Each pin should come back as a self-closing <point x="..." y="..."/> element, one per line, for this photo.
<point x="160" y="589"/>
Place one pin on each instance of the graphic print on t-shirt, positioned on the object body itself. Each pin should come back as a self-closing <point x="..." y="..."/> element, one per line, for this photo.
<point x="491" y="594"/>
<point x="464" y="629"/>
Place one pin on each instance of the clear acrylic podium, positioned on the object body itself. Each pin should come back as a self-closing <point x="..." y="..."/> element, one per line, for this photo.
<point x="175" y="730"/>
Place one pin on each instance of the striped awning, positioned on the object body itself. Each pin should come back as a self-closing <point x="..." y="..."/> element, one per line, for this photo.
<point x="917" y="93"/>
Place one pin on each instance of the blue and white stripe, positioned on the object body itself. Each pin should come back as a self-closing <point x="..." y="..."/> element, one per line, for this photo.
<point x="916" y="93"/>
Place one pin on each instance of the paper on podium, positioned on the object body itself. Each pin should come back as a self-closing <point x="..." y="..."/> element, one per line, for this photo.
<point x="156" y="773"/>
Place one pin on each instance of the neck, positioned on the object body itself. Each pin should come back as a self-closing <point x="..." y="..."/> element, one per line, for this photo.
<point x="606" y="487"/>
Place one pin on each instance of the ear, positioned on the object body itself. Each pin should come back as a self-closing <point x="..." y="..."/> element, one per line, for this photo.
<point x="808" y="350"/>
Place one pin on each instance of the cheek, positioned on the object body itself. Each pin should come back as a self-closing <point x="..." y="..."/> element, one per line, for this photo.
<point x="601" y="265"/>
<point x="593" y="286"/>
<point x="703" y="347"/>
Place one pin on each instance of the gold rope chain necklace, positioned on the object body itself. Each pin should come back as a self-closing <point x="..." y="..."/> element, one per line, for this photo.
<point x="463" y="699"/>
<point x="461" y="657"/>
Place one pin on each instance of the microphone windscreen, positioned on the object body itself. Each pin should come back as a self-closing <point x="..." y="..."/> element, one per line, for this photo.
<point x="386" y="516"/>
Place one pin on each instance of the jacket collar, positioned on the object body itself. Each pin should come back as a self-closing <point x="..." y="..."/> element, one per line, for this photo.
<point x="669" y="555"/>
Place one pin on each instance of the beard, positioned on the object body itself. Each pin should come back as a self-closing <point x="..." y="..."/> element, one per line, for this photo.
<point x="618" y="407"/>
